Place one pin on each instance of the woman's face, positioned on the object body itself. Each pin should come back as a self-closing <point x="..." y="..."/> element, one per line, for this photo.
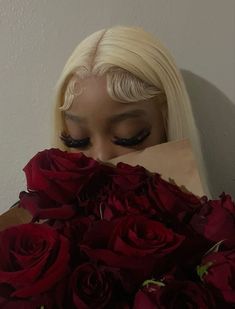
<point x="103" y="128"/>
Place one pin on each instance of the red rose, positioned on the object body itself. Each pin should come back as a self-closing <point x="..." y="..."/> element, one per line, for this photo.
<point x="39" y="302"/>
<point x="60" y="174"/>
<point x="139" y="236"/>
<point x="171" y="201"/>
<point x="135" y="236"/>
<point x="114" y="204"/>
<point x="34" y="258"/>
<point x="48" y="300"/>
<point x="217" y="270"/>
<point x="41" y="206"/>
<point x="95" y="287"/>
<point x="125" y="193"/>
<point x="174" y="294"/>
<point x="146" y="194"/>
<point x="135" y="244"/>
<point x="216" y="221"/>
<point x="74" y="229"/>
<point x="128" y="178"/>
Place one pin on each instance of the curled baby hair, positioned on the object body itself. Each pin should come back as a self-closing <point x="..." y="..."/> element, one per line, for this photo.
<point x="122" y="86"/>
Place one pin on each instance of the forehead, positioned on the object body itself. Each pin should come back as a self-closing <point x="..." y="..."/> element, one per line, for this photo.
<point x="94" y="101"/>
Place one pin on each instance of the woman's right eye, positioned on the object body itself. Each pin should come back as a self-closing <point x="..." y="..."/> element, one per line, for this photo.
<point x="74" y="143"/>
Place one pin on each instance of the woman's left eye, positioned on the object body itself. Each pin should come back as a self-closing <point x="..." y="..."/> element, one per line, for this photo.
<point x="133" y="141"/>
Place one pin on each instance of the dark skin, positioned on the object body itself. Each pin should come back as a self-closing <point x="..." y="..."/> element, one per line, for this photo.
<point x="102" y="128"/>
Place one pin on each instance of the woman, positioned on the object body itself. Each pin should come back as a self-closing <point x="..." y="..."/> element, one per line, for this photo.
<point x="120" y="91"/>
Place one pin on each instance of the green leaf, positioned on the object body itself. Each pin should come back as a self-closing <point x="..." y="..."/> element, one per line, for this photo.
<point x="152" y="281"/>
<point x="202" y="269"/>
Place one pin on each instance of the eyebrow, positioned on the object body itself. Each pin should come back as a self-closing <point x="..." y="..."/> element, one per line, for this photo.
<point x="115" y="118"/>
<point x="74" y="117"/>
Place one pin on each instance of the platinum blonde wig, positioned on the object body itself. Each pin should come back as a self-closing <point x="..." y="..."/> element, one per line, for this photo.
<point x="137" y="67"/>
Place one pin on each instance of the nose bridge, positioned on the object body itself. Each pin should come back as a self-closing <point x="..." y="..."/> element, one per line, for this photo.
<point x="102" y="150"/>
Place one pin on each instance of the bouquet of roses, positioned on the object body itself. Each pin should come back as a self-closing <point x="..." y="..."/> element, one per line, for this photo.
<point x="115" y="237"/>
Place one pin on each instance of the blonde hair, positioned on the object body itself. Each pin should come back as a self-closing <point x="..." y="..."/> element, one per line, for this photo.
<point x="137" y="67"/>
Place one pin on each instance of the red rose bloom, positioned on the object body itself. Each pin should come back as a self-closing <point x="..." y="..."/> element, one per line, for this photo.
<point x="59" y="174"/>
<point x="125" y="193"/>
<point x="171" y="201"/>
<point x="219" y="274"/>
<point x="74" y="229"/>
<point x="144" y="193"/>
<point x="34" y="258"/>
<point x="135" y="244"/>
<point x="216" y="221"/>
<point x="95" y="287"/>
<point x="139" y="236"/>
<point x="114" y="204"/>
<point x="128" y="178"/>
<point x="42" y="207"/>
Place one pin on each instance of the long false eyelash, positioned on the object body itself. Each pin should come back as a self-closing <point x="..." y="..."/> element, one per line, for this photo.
<point x="70" y="142"/>
<point x="125" y="142"/>
<point x="133" y="141"/>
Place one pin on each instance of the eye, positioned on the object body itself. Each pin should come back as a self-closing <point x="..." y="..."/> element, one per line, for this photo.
<point x="74" y="143"/>
<point x="124" y="142"/>
<point x="133" y="141"/>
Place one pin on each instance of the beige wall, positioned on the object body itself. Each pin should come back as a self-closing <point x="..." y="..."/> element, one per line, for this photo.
<point x="36" y="37"/>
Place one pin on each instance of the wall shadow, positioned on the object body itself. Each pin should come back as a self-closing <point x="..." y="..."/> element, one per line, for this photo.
<point x="215" y="117"/>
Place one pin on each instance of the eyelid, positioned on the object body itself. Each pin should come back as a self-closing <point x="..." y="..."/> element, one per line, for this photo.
<point x="135" y="140"/>
<point x="74" y="143"/>
<point x="125" y="142"/>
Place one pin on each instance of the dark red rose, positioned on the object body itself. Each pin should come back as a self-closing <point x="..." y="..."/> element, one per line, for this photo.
<point x="95" y="287"/>
<point x="135" y="236"/>
<point x="41" y="301"/>
<point x="174" y="294"/>
<point x="48" y="300"/>
<point x="216" y="221"/>
<point x="74" y="229"/>
<point x="60" y="174"/>
<point x="34" y="258"/>
<point x="171" y="201"/>
<point x="124" y="194"/>
<point x="128" y="178"/>
<point x="139" y="236"/>
<point x="55" y="298"/>
<point x="135" y="244"/>
<point x="217" y="270"/>
<point x="42" y="207"/>
<point x="114" y="204"/>
<point x="127" y="194"/>
<point x="149" y="195"/>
